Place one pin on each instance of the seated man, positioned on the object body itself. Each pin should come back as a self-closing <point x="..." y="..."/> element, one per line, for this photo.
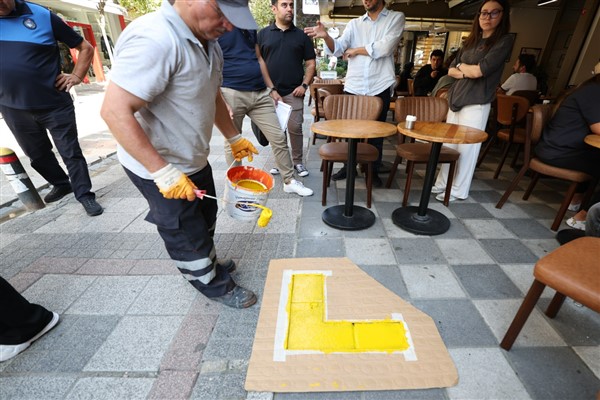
<point x="429" y="75"/>
<point x="522" y="79"/>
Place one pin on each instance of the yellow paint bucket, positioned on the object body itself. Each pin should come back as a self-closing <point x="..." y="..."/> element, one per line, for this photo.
<point x="246" y="185"/>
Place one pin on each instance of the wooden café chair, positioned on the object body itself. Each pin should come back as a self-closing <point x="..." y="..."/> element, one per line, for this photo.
<point x="345" y="106"/>
<point x="431" y="109"/>
<point x="511" y="113"/>
<point x="539" y="117"/>
<point x="332" y="88"/>
<point x="573" y="271"/>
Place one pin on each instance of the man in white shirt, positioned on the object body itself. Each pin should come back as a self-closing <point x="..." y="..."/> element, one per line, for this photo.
<point x="368" y="43"/>
<point x="522" y="79"/>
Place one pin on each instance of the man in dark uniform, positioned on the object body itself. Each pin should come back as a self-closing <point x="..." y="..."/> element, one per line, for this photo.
<point x="34" y="96"/>
<point x="287" y="51"/>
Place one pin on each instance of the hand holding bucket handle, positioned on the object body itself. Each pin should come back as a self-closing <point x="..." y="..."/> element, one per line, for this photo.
<point x="174" y="184"/>
<point x="241" y="147"/>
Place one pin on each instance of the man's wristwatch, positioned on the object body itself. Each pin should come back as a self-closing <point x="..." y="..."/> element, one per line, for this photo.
<point x="458" y="66"/>
<point x="272" y="89"/>
<point x="304" y="85"/>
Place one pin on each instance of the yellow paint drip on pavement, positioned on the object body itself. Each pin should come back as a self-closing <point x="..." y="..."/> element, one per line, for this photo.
<point x="309" y="330"/>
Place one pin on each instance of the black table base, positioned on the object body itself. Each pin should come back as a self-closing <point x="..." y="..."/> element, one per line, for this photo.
<point x="361" y="218"/>
<point x="432" y="223"/>
<point x="421" y="220"/>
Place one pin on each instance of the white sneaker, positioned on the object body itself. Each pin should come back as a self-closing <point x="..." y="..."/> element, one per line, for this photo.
<point x="436" y="190"/>
<point x="440" y="197"/>
<point x="9" y="351"/>
<point x="301" y="170"/>
<point x="297" y="187"/>
<point x="274" y="171"/>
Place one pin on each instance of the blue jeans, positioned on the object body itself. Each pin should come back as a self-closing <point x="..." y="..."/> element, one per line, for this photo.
<point x="30" y="127"/>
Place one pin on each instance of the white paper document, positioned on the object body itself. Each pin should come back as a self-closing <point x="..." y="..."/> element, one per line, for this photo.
<point x="283" y="112"/>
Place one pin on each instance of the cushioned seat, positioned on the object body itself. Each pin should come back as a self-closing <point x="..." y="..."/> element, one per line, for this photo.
<point x="432" y="109"/>
<point x="573" y="270"/>
<point x="345" y="106"/>
<point x="539" y="117"/>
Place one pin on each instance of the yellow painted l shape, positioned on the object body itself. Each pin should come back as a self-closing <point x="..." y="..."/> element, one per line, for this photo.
<point x="308" y="328"/>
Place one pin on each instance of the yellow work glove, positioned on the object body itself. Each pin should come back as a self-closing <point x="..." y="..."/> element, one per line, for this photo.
<point x="174" y="184"/>
<point x="241" y="148"/>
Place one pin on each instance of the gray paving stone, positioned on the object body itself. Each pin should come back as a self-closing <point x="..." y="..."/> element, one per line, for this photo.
<point x="468" y="210"/>
<point x="110" y="295"/>
<point x="319" y="396"/>
<point x="138" y="343"/>
<point x="229" y="349"/>
<point x="431" y="281"/>
<point x="498" y="314"/>
<point x="389" y="276"/>
<point x="315" y="227"/>
<point x="325" y="247"/>
<point x="164" y="295"/>
<point x="98" y="388"/>
<point x="463" y="251"/>
<point x="590" y="355"/>
<point x="508" y="251"/>
<point x="58" y="292"/>
<point x="507" y="211"/>
<point x="485" y="282"/>
<point x="370" y="251"/>
<point x="459" y="322"/>
<point x="522" y="276"/>
<point x="394" y="232"/>
<point x="541" y="247"/>
<point x="553" y="373"/>
<point x="421" y="250"/>
<point x="473" y="384"/>
<point x="487" y="229"/>
<point x="219" y="386"/>
<point x="528" y="229"/>
<point x="35" y="387"/>
<point x="485" y="196"/>
<point x="577" y="325"/>
<point x="425" y="394"/>
<point x="538" y="211"/>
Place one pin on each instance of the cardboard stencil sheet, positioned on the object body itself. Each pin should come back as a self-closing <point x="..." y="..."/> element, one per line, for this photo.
<point x="350" y="295"/>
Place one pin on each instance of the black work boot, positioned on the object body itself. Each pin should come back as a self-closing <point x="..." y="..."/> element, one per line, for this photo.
<point x="57" y="193"/>
<point x="238" y="297"/>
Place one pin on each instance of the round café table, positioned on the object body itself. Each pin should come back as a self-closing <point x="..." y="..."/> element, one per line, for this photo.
<point x="593" y="140"/>
<point x="421" y="220"/>
<point x="349" y="216"/>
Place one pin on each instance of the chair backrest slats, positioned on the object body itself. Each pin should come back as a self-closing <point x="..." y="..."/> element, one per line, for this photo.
<point x="347" y="106"/>
<point x="430" y="109"/>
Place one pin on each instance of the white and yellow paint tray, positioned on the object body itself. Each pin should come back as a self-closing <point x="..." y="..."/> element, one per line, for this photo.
<point x="325" y="325"/>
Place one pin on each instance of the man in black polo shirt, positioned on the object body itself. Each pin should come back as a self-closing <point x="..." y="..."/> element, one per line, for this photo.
<point x="284" y="48"/>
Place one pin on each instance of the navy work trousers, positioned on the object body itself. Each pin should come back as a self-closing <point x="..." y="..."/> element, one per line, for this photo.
<point x="30" y="128"/>
<point x="187" y="229"/>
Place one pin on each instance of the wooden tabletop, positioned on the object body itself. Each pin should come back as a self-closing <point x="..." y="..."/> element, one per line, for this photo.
<point x="593" y="140"/>
<point x="443" y="132"/>
<point x="353" y="128"/>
